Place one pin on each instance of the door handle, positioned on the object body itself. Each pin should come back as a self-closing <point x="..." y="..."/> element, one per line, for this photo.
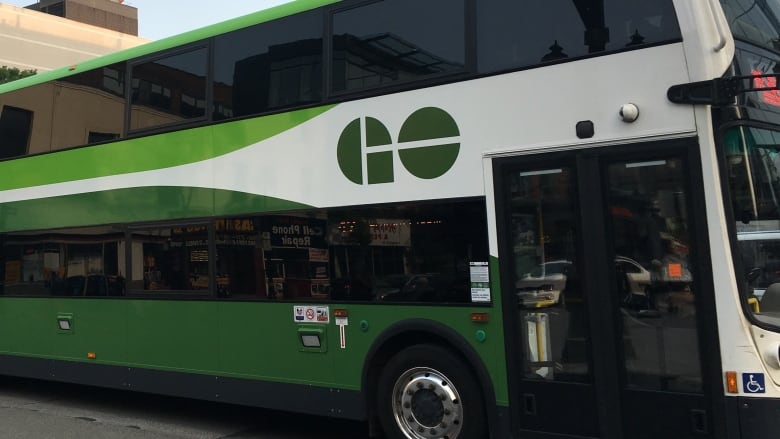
<point x="529" y="404"/>
<point x="699" y="421"/>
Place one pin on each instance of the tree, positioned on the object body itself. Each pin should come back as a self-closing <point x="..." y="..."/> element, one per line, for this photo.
<point x="8" y="74"/>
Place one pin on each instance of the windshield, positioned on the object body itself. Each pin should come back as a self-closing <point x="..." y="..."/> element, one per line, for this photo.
<point x="756" y="21"/>
<point x="753" y="161"/>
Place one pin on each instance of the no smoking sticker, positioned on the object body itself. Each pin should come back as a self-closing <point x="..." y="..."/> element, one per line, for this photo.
<point x="311" y="314"/>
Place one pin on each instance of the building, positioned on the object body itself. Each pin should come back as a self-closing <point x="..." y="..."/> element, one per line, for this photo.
<point x="108" y="14"/>
<point x="56" y="33"/>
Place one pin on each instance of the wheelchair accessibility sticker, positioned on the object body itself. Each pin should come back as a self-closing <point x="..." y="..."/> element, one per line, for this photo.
<point x="753" y="383"/>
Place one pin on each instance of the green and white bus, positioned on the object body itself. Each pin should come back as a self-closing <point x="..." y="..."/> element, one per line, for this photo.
<point x="448" y="218"/>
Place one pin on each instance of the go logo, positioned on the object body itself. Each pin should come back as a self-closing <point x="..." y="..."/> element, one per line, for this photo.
<point x="427" y="146"/>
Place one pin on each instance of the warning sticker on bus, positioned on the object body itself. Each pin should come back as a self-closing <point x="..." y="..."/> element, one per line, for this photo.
<point x="311" y="314"/>
<point x="480" y="281"/>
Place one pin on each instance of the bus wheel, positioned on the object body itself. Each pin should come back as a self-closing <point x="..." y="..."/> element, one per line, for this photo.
<point x="426" y="392"/>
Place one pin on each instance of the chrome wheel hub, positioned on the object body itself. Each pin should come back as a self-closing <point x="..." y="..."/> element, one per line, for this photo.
<point x="426" y="405"/>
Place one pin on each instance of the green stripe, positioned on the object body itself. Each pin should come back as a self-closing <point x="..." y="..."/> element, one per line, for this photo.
<point x="149" y="153"/>
<point x="139" y="204"/>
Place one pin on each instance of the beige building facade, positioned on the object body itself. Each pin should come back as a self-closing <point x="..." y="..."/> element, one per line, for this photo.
<point x="40" y="41"/>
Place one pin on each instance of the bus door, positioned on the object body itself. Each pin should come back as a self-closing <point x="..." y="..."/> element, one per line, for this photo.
<point x="607" y="294"/>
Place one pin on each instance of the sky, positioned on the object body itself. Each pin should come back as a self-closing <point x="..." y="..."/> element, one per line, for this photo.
<point x="162" y="18"/>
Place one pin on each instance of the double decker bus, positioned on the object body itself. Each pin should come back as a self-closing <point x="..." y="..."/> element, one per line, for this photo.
<point x="448" y="218"/>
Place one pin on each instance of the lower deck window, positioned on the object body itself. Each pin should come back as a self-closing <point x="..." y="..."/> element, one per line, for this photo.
<point x="170" y="259"/>
<point x="83" y="262"/>
<point x="399" y="253"/>
<point x="417" y="252"/>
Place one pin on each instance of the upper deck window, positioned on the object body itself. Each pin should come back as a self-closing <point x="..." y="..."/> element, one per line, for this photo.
<point x="752" y="159"/>
<point x="522" y="34"/>
<point x="755" y="21"/>
<point x="271" y="65"/>
<point x="390" y="42"/>
<point x="63" y="113"/>
<point x="169" y="90"/>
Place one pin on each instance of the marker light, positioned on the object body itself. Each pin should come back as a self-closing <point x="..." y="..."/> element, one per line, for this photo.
<point x="731" y="382"/>
<point x="91" y="355"/>
<point x="480" y="317"/>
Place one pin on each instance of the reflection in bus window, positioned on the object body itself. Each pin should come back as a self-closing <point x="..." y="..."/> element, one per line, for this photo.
<point x="169" y="90"/>
<point x="400" y="253"/>
<point x="754" y="21"/>
<point x="653" y="274"/>
<point x="383" y="43"/>
<point x="753" y="160"/>
<point x="281" y="68"/>
<point x="81" y="109"/>
<point x="82" y="262"/>
<point x="170" y="259"/>
<point x="522" y="34"/>
<point x="547" y="283"/>
<point x="15" y="131"/>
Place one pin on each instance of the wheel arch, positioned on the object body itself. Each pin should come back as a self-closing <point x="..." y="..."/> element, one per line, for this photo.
<point x="420" y="331"/>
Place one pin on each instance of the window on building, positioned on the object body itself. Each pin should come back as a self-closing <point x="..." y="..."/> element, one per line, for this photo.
<point x="15" y="131"/>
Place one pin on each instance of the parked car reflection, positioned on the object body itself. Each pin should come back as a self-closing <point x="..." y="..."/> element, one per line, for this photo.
<point x="424" y="287"/>
<point x="545" y="285"/>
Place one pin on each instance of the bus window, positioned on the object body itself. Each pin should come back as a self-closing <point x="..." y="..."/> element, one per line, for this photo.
<point x="81" y="109"/>
<point x="397" y="253"/>
<point x="521" y="34"/>
<point x="169" y="90"/>
<point x="68" y="262"/>
<point x="754" y="22"/>
<point x="390" y="42"/>
<point x="753" y="160"/>
<point x="281" y="68"/>
<point x="170" y="259"/>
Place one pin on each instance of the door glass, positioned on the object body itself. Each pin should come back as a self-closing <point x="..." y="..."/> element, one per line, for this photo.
<point x="550" y="302"/>
<point x="651" y="232"/>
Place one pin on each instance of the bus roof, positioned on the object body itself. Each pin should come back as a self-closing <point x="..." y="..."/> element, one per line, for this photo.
<point x="279" y="11"/>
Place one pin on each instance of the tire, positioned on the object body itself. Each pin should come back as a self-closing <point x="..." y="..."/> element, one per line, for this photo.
<point x="427" y="392"/>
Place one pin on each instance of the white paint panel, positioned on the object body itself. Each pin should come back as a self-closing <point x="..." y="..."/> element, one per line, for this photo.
<point x="504" y="113"/>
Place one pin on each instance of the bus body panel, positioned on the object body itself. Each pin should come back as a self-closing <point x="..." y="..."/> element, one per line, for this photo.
<point x="430" y="143"/>
<point x="261" y="172"/>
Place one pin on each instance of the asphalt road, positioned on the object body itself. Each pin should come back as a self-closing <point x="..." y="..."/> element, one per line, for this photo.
<point x="31" y="409"/>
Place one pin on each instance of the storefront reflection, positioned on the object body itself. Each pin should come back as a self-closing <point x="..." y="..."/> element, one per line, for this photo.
<point x="406" y="253"/>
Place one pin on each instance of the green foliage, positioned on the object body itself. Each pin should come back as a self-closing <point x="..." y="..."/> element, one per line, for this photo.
<point x="8" y="74"/>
